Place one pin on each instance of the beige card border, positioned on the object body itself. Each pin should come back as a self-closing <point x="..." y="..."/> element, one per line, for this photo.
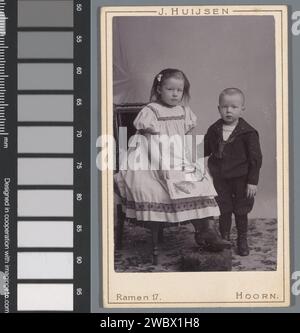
<point x="259" y="289"/>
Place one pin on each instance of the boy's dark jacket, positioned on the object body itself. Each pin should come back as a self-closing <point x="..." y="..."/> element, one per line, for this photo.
<point x="239" y="156"/>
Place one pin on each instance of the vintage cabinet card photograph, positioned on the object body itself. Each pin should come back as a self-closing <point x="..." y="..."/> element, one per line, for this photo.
<point x="194" y="207"/>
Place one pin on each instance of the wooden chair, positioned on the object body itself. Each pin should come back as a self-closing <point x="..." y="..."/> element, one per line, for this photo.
<point x="124" y="115"/>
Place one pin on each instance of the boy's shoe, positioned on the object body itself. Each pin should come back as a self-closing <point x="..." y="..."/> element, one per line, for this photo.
<point x="242" y="244"/>
<point x="242" y="228"/>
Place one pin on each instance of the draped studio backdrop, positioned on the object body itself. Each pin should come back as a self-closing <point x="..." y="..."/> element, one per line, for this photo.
<point x="214" y="53"/>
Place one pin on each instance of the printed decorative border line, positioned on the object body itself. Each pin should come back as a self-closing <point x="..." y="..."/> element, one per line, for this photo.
<point x="249" y="11"/>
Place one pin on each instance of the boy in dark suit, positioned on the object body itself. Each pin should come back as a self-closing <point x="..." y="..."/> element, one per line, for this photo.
<point x="234" y="162"/>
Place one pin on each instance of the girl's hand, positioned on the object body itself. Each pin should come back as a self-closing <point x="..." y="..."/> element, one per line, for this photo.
<point x="251" y="190"/>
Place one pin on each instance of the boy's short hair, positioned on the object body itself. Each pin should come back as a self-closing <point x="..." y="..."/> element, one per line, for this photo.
<point x="231" y="91"/>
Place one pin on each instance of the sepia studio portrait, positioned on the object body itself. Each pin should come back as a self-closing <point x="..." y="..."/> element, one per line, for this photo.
<point x="196" y="110"/>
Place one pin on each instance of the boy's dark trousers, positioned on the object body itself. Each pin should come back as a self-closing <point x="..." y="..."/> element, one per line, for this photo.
<point x="232" y="199"/>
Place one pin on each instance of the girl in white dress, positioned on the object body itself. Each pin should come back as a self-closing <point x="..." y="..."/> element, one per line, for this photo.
<point x="154" y="191"/>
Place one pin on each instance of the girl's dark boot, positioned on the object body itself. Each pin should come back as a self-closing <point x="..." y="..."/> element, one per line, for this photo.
<point x="207" y="236"/>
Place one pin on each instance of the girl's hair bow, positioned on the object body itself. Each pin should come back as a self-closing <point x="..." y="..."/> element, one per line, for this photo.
<point x="159" y="76"/>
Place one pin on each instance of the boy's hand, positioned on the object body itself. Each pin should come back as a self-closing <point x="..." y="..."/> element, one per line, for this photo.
<point x="251" y="190"/>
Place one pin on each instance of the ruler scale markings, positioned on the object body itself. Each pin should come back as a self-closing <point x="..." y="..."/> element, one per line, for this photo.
<point x="8" y="153"/>
<point x="43" y="203"/>
<point x="82" y="156"/>
<point x="35" y="66"/>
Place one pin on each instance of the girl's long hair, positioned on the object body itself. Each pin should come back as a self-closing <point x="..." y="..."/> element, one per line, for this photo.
<point x="163" y="76"/>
